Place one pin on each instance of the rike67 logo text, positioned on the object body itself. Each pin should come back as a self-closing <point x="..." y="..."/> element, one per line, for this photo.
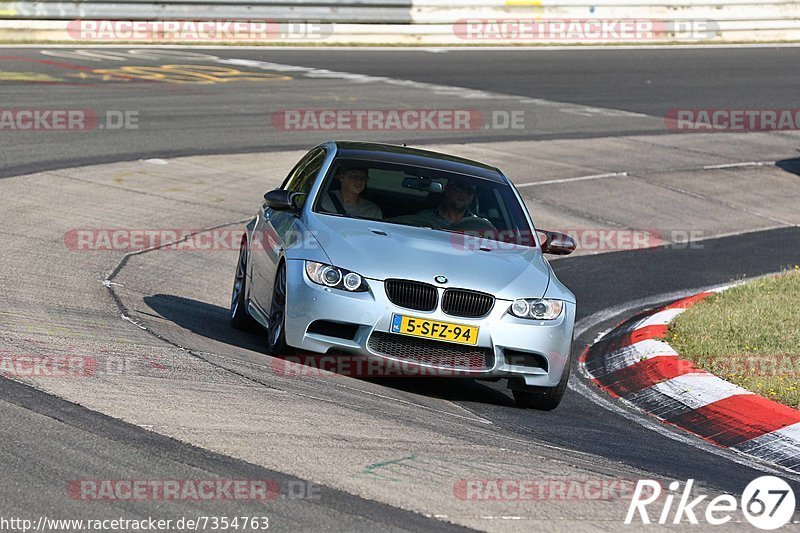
<point x="767" y="502"/>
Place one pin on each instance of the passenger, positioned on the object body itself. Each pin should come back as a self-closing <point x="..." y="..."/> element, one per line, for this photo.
<point x="348" y="200"/>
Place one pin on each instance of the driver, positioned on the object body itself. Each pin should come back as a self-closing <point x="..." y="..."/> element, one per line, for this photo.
<point x="454" y="207"/>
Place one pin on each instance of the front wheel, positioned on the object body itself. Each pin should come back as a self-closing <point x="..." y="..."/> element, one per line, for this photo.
<point x="240" y="318"/>
<point x="276" y="333"/>
<point x="543" y="400"/>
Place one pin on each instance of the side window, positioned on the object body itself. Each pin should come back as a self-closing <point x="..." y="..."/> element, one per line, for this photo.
<point x="302" y="177"/>
<point x="288" y="183"/>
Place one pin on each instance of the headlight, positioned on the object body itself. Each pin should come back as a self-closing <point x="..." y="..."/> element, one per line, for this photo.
<point x="334" y="277"/>
<point x="537" y="309"/>
<point x="331" y="276"/>
<point x="352" y="281"/>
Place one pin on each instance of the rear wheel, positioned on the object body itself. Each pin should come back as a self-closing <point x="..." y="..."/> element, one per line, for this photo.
<point x="240" y="318"/>
<point x="276" y="334"/>
<point x="543" y="400"/>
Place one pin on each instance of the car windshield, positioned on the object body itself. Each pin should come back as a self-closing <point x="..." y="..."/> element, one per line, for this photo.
<point x="424" y="197"/>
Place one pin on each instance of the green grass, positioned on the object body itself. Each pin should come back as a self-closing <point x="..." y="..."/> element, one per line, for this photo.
<point x="748" y="335"/>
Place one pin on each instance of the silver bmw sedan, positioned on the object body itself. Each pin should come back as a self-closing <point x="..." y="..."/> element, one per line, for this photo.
<point x="413" y="261"/>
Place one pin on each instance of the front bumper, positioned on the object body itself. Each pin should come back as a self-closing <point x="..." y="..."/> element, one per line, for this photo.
<point x="504" y="338"/>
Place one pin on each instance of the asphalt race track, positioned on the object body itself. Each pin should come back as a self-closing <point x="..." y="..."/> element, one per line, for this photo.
<point x="594" y="153"/>
<point x="648" y="82"/>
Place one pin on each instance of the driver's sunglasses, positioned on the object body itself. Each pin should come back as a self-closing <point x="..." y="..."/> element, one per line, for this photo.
<point x="358" y="177"/>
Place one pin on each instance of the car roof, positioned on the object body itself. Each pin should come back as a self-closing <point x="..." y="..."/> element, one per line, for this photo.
<point x="393" y="153"/>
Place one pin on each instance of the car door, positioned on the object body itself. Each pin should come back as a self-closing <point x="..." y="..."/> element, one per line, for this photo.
<point x="273" y="228"/>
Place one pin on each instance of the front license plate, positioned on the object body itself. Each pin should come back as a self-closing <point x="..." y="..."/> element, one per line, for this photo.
<point x="432" y="329"/>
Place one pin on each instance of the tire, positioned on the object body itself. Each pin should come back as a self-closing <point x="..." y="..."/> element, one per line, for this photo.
<point x="240" y="318"/>
<point x="276" y="333"/>
<point x="543" y="400"/>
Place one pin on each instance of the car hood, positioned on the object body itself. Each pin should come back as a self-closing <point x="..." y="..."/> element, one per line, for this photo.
<point x="380" y="250"/>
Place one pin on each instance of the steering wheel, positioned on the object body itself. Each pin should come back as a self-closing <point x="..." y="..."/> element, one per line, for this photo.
<point x="473" y="224"/>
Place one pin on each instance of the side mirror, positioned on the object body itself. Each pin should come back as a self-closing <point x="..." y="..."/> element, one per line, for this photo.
<point x="282" y="200"/>
<point x="557" y="243"/>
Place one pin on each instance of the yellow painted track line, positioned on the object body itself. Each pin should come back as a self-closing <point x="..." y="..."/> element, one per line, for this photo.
<point x="529" y="3"/>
